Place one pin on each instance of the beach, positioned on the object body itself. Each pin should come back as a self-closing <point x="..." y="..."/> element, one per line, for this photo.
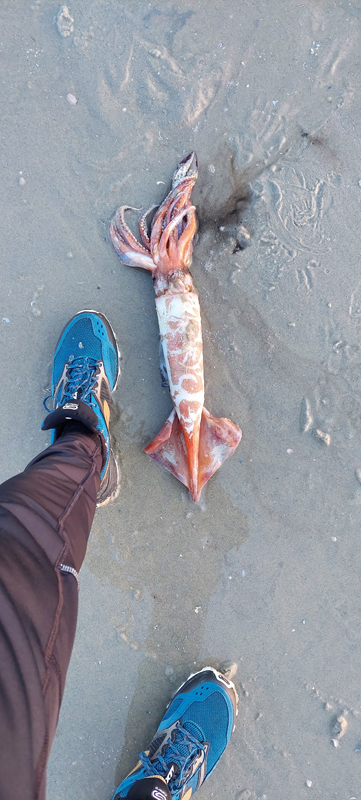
<point x="100" y="102"/>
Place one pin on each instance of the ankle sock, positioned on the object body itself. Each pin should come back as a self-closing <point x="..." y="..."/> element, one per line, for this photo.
<point x="74" y="426"/>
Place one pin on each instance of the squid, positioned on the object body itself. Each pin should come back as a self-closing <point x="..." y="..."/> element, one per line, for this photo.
<point x="192" y="444"/>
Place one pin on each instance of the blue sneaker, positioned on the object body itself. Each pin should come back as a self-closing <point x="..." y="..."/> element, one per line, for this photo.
<point x="85" y="373"/>
<point x="189" y="742"/>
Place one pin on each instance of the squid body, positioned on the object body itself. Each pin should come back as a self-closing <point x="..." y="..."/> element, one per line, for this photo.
<point x="192" y="444"/>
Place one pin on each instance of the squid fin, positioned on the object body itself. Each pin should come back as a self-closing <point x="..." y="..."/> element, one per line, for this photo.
<point x="168" y="449"/>
<point x="218" y="439"/>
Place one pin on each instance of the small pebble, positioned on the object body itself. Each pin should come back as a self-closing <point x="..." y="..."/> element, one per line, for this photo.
<point x="229" y="669"/>
<point x="69" y="255"/>
<point x="22" y="181"/>
<point x="71" y="99"/>
<point x="289" y="451"/>
<point x="64" y="22"/>
<point x="212" y="169"/>
<point x="325" y="438"/>
<point x="333" y="539"/>
<point x="338" y="727"/>
<point x="335" y="742"/>
<point x="5" y="319"/>
<point x="309" y="783"/>
<point x="243" y="238"/>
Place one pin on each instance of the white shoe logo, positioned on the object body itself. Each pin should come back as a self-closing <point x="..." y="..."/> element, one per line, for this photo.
<point x="71" y="406"/>
<point x="158" y="794"/>
<point x="170" y="774"/>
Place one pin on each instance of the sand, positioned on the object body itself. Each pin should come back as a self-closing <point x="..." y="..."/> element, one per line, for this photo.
<point x="98" y="105"/>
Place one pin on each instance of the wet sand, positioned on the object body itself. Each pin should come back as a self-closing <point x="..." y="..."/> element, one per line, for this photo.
<point x="265" y="571"/>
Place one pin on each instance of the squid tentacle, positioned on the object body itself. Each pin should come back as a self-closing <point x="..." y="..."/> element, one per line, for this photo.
<point x="185" y="241"/>
<point x="177" y="199"/>
<point x="125" y="232"/>
<point x="143" y="227"/>
<point x="169" y="229"/>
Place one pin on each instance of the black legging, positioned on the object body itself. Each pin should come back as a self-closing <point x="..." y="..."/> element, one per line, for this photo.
<point x="46" y="514"/>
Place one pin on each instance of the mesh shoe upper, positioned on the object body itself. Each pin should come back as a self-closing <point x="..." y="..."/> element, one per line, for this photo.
<point x="86" y="369"/>
<point x="191" y="737"/>
<point x="87" y="334"/>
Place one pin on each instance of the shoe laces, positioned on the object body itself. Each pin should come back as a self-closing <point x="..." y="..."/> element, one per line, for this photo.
<point x="179" y="752"/>
<point x="81" y="378"/>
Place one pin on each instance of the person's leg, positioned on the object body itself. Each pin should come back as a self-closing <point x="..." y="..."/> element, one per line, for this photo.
<point x="46" y="514"/>
<point x="190" y="740"/>
<point x="45" y="518"/>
